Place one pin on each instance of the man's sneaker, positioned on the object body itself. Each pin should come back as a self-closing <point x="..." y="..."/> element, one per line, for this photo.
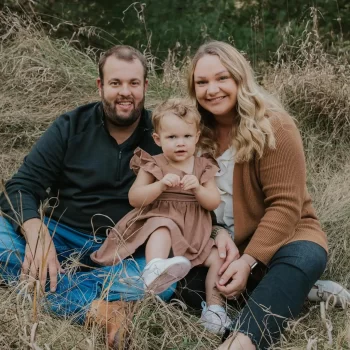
<point x="214" y="318"/>
<point x="160" y="274"/>
<point x="337" y="294"/>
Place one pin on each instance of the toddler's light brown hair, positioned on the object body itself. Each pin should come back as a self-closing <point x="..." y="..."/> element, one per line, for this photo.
<point x="182" y="108"/>
<point x="187" y="111"/>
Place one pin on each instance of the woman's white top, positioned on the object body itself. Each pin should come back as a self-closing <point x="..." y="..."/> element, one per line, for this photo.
<point x="224" y="182"/>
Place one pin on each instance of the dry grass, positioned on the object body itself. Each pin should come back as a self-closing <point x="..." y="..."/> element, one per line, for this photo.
<point x="20" y="329"/>
<point x="155" y="325"/>
<point x="315" y="88"/>
<point x="42" y="77"/>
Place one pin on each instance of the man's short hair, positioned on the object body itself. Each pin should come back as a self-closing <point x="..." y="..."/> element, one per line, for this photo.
<point x="125" y="53"/>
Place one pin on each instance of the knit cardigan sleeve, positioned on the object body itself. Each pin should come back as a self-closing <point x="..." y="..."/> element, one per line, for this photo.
<point x="282" y="175"/>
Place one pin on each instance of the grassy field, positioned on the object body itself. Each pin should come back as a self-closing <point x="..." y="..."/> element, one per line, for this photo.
<point x="42" y="77"/>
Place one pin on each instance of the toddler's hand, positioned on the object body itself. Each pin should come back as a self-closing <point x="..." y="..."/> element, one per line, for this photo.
<point x="189" y="182"/>
<point x="171" y="180"/>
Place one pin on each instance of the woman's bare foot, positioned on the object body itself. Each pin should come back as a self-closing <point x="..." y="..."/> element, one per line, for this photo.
<point x="237" y="341"/>
<point x="113" y="315"/>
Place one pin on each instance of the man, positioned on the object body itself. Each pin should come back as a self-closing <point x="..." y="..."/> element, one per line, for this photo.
<point x="81" y="163"/>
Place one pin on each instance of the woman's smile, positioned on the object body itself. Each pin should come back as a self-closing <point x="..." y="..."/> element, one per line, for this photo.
<point x="216" y="99"/>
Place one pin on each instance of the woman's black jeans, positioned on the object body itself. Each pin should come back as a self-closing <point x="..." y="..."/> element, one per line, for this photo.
<point x="279" y="296"/>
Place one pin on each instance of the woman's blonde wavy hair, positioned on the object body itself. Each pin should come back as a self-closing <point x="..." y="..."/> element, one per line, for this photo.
<point x="251" y="130"/>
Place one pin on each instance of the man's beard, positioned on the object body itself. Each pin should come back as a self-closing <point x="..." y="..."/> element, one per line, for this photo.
<point x="118" y="120"/>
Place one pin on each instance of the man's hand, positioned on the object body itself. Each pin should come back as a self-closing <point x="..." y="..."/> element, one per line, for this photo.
<point x="40" y="254"/>
<point x="189" y="182"/>
<point x="171" y="180"/>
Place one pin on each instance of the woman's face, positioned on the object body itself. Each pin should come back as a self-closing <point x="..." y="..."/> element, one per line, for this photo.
<point x="216" y="90"/>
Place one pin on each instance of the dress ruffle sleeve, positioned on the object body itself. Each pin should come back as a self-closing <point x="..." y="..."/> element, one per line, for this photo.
<point x="142" y="159"/>
<point x="210" y="168"/>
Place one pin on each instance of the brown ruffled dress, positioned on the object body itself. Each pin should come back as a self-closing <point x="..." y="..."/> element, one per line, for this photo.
<point x="178" y="210"/>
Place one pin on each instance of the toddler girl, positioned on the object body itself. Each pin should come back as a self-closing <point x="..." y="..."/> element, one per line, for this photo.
<point x="174" y="193"/>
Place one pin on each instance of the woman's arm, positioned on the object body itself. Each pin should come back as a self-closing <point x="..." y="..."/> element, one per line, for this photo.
<point x="282" y="175"/>
<point x="145" y="189"/>
<point x="283" y="180"/>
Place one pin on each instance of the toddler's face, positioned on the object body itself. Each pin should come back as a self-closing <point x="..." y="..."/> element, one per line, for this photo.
<point x="177" y="138"/>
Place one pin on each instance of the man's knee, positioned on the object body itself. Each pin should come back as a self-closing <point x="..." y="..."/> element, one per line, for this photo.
<point x="12" y="247"/>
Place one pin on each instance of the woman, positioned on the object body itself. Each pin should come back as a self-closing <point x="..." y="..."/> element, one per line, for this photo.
<point x="271" y="214"/>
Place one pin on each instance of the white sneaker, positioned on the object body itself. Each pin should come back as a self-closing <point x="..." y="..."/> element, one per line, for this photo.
<point x="214" y="318"/>
<point x="160" y="274"/>
<point x="322" y="290"/>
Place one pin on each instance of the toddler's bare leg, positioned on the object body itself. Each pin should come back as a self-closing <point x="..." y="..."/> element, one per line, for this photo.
<point x="214" y="317"/>
<point x="214" y="262"/>
<point x="158" y="244"/>
<point x="161" y="272"/>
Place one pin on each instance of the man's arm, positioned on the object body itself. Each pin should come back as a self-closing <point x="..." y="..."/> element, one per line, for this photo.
<point x="40" y="169"/>
<point x="23" y="195"/>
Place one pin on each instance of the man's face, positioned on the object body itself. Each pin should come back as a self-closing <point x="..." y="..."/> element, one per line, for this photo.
<point x="123" y="91"/>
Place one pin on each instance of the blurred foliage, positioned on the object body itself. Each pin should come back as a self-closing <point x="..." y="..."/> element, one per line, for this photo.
<point x="257" y="27"/>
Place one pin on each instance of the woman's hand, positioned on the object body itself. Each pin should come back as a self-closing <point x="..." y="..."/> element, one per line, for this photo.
<point x="234" y="280"/>
<point x="226" y="248"/>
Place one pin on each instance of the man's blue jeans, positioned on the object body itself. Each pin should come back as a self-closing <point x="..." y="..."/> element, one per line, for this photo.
<point x="76" y="290"/>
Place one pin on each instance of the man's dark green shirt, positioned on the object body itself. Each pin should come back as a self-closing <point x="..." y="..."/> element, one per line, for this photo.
<point x="83" y="171"/>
